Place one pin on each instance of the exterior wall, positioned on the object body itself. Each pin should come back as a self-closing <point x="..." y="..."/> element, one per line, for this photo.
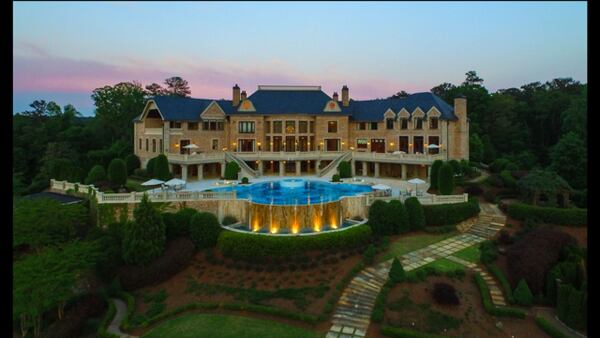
<point x="321" y="132"/>
<point x="235" y="135"/>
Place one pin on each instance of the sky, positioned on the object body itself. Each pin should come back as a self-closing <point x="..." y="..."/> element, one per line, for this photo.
<point x="62" y="51"/>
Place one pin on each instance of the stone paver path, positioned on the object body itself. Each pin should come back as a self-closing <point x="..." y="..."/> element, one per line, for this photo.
<point x="495" y="291"/>
<point x="550" y="315"/>
<point x="114" y="326"/>
<point x="445" y="248"/>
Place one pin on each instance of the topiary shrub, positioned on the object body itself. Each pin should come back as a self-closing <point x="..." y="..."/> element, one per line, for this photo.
<point x="204" y="230"/>
<point x="488" y="252"/>
<point x="231" y="170"/>
<point x="96" y="174"/>
<point x="435" y="170"/>
<point x="522" y="294"/>
<point x="445" y="294"/>
<point x="133" y="163"/>
<point x="380" y="220"/>
<point x="335" y="178"/>
<point x="416" y="214"/>
<point x="143" y="173"/>
<point x="345" y="169"/>
<point x="397" y="273"/>
<point x="117" y="172"/>
<point x="369" y="255"/>
<point x="446" y="179"/>
<point x="245" y="180"/>
<point x="399" y="216"/>
<point x="161" y="168"/>
<point x="150" y="167"/>
<point x="228" y="220"/>
<point x="456" y="167"/>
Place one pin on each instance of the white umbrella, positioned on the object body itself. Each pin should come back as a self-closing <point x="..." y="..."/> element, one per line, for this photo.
<point x="153" y="182"/>
<point x="174" y="182"/>
<point x="380" y="187"/>
<point x="191" y="146"/>
<point x="416" y="181"/>
<point x="433" y="146"/>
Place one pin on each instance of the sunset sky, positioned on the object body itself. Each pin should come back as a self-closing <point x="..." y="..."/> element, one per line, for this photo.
<point x="63" y="50"/>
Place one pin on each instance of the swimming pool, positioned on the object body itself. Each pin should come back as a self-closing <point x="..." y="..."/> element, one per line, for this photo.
<point x="295" y="191"/>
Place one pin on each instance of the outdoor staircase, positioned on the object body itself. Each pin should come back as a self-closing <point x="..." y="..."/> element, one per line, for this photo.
<point x="327" y="171"/>
<point x="245" y="168"/>
<point x="487" y="225"/>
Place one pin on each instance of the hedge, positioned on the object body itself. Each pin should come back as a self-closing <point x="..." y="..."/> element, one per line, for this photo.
<point x="444" y="229"/>
<point x="379" y="307"/>
<point x="548" y="328"/>
<point x="242" y="246"/>
<point x="400" y="332"/>
<point x="499" y="311"/>
<point x="106" y="320"/>
<point x="451" y="213"/>
<point x="130" y="301"/>
<point x="495" y="270"/>
<point x="560" y="216"/>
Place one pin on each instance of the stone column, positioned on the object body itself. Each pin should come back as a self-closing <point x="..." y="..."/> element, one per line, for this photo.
<point x="364" y="168"/>
<point x="298" y="168"/>
<point x="223" y="169"/>
<point x="260" y="168"/>
<point x="376" y="169"/>
<point x="353" y="167"/>
<point x="317" y="167"/>
<point x="281" y="168"/>
<point x="428" y="173"/>
<point x="200" y="171"/>
<point x="184" y="172"/>
<point x="404" y="170"/>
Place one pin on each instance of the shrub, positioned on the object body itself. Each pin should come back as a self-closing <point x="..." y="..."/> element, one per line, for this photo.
<point x="231" y="170"/>
<point x="499" y="164"/>
<point x="106" y="320"/>
<point x="456" y="168"/>
<point x="397" y="273"/>
<point x="435" y="169"/>
<point x="525" y="261"/>
<point x="445" y="294"/>
<point x="96" y="174"/>
<point x="559" y="216"/>
<point x="71" y="325"/>
<point x="117" y="172"/>
<point x="499" y="311"/>
<point x="399" y="216"/>
<point x="240" y="246"/>
<point x="495" y="270"/>
<point x="176" y="257"/>
<point x="416" y="214"/>
<point x="369" y="255"/>
<point x="228" y="220"/>
<point x="245" y="180"/>
<point x="379" y="306"/>
<point x="132" y="162"/>
<point x="144" y="238"/>
<point x="142" y="173"/>
<point x="345" y="169"/>
<point x="488" y="252"/>
<point x="161" y="168"/>
<point x="522" y="294"/>
<point x="380" y="220"/>
<point x="507" y="179"/>
<point x="150" y="167"/>
<point x="548" y="328"/>
<point x="449" y="214"/>
<point x="474" y="190"/>
<point x="204" y="230"/>
<point x="178" y="224"/>
<point x="335" y="178"/>
<point x="446" y="179"/>
<point x="570" y="306"/>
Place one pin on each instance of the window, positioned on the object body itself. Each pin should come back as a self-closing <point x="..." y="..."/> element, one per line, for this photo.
<point x="378" y="145"/>
<point x="312" y="126"/>
<point x="246" y="145"/>
<point x="146" y="144"/>
<point x="161" y="146"/>
<point x="267" y="127"/>
<point x="215" y="144"/>
<point x="192" y="125"/>
<point x="303" y="127"/>
<point x="290" y="127"/>
<point x="332" y="127"/>
<point x="153" y="145"/>
<point x="220" y="126"/>
<point x="362" y="143"/>
<point x="403" y="144"/>
<point x="373" y="125"/>
<point x="175" y="125"/>
<point x="212" y="125"/>
<point x="434" y="140"/>
<point x="332" y="144"/>
<point x="389" y="123"/>
<point x="433" y="123"/>
<point x="277" y="127"/>
<point x="418" y="147"/>
<point x="403" y="123"/>
<point x="140" y="144"/>
<point x="362" y="126"/>
<point x="245" y="127"/>
<point x="418" y="123"/>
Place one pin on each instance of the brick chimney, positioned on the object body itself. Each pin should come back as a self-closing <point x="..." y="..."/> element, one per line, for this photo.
<point x="236" y="96"/>
<point x="243" y="95"/>
<point x="335" y="97"/>
<point x="345" y="96"/>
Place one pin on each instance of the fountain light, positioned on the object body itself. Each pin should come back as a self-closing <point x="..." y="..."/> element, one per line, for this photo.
<point x="274" y="230"/>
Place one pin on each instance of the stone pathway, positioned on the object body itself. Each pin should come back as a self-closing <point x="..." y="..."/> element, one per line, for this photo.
<point x="353" y="312"/>
<point x="114" y="326"/>
<point x="443" y="249"/>
<point x="495" y="291"/>
<point x="550" y="315"/>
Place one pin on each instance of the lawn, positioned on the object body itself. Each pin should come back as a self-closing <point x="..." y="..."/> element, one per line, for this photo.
<point x="442" y="265"/>
<point x="470" y="254"/>
<point x="406" y="244"/>
<point x="135" y="185"/>
<point x="224" y="326"/>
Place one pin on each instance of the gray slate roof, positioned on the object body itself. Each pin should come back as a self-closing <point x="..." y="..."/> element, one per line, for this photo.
<point x="310" y="102"/>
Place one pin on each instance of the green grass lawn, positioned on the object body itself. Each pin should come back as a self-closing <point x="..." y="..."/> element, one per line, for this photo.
<point x="470" y="254"/>
<point x="225" y="326"/>
<point x="443" y="265"/>
<point x="410" y="243"/>
<point x="135" y="185"/>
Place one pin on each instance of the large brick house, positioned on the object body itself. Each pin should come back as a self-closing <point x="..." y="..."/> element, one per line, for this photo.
<point x="300" y="130"/>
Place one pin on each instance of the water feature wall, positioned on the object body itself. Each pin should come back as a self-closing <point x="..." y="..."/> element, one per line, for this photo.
<point x="294" y="218"/>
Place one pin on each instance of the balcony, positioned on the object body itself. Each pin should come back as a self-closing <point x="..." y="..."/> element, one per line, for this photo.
<point x="397" y="158"/>
<point x="153" y="131"/>
<point x="195" y="158"/>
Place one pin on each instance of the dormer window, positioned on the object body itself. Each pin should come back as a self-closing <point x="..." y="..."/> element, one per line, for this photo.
<point x="403" y="123"/>
<point x="418" y="123"/>
<point x="389" y="123"/>
<point x="433" y="123"/>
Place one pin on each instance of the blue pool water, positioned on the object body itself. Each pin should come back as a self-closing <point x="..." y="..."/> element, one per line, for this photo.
<point x="295" y="191"/>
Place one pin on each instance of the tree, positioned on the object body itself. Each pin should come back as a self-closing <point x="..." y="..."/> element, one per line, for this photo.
<point x="379" y="219"/>
<point x="150" y="166"/>
<point x="397" y="274"/>
<point x="399" y="216"/>
<point x="435" y="169"/>
<point x="144" y="238"/>
<point x="475" y="148"/>
<point x="522" y="293"/>
<point x="117" y="172"/>
<point x="96" y="174"/>
<point x="472" y="79"/>
<point x="155" y="90"/>
<point x="416" y="214"/>
<point x="204" y="230"/>
<point x="231" y="170"/>
<point x="444" y="90"/>
<point x="177" y="86"/>
<point x="446" y="179"/>
<point x="399" y="95"/>
<point x="132" y="162"/>
<point x="345" y="169"/>
<point x="161" y="168"/>
<point x="569" y="160"/>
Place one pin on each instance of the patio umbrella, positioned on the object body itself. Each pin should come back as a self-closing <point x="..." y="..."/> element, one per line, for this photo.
<point x="153" y="182"/>
<point x="191" y="146"/>
<point x="416" y="181"/>
<point x="174" y="182"/>
<point x="433" y="146"/>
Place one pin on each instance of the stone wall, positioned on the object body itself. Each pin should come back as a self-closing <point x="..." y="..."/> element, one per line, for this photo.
<point x="354" y="206"/>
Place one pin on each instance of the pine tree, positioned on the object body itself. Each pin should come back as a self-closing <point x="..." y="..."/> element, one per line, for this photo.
<point x="161" y="168"/>
<point x="435" y="170"/>
<point x="446" y="179"/>
<point x="144" y="238"/>
<point x="397" y="274"/>
<point x="522" y="294"/>
<point x="117" y="172"/>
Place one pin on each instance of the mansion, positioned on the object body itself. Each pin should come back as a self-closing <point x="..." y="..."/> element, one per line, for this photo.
<point x="300" y="130"/>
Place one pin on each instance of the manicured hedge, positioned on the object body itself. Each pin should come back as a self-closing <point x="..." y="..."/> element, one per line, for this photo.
<point x="453" y="213"/>
<point x="242" y="246"/>
<point x="130" y="301"/>
<point x="400" y="332"/>
<point x="548" y="328"/>
<point x="559" y="216"/>
<point x="106" y="320"/>
<point x="499" y="311"/>
<point x="444" y="229"/>
<point x="175" y="258"/>
<point x="416" y="215"/>
<point x="495" y="270"/>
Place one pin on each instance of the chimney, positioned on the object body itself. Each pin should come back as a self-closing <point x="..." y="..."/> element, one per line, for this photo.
<point x="236" y="96"/>
<point x="335" y="97"/>
<point x="345" y="96"/>
<point x="243" y="94"/>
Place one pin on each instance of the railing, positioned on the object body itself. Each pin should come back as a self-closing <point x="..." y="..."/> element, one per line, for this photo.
<point x="365" y="156"/>
<point x="288" y="155"/>
<point x="426" y="199"/>
<point x="243" y="165"/>
<point x="218" y="156"/>
<point x="334" y="163"/>
<point x="153" y="131"/>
